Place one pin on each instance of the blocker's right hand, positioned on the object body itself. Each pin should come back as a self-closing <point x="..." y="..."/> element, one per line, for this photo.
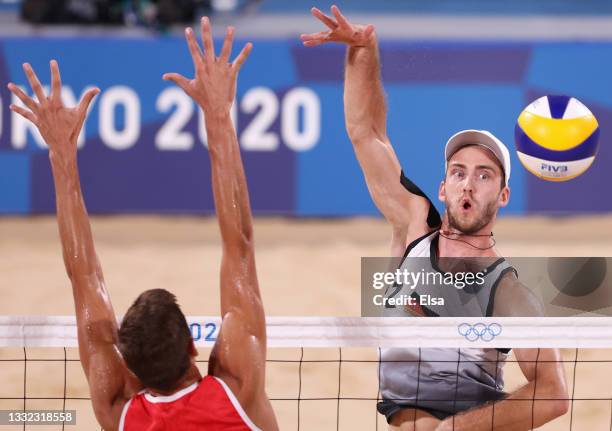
<point x="340" y="30"/>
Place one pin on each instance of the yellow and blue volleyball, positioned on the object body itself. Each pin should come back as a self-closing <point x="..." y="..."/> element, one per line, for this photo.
<point x="557" y="138"/>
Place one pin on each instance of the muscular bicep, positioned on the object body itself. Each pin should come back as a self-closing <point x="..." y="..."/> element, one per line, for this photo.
<point x="514" y="299"/>
<point x="383" y="174"/>
<point x="110" y="385"/>
<point x="240" y="350"/>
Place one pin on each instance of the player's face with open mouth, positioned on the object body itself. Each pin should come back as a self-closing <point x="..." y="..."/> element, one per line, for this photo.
<point x="472" y="188"/>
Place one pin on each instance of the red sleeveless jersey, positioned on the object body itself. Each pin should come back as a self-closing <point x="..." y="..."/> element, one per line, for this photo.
<point x="206" y="405"/>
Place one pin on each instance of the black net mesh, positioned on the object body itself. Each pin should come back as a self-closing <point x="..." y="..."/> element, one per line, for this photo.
<point x="310" y="388"/>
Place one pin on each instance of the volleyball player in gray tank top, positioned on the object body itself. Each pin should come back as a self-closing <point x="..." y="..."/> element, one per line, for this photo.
<point x="474" y="187"/>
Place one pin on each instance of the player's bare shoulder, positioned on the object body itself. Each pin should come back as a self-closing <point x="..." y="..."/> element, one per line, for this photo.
<point x="514" y="299"/>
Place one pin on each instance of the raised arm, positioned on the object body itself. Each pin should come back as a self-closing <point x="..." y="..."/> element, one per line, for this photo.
<point x="366" y="117"/>
<point x="97" y="327"/>
<point x="541" y="400"/>
<point x="240" y="351"/>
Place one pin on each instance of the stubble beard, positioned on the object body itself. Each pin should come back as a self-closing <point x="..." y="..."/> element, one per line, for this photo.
<point x="470" y="227"/>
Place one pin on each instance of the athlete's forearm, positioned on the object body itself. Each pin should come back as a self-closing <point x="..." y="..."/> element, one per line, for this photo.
<point x="75" y="231"/>
<point x="364" y="98"/>
<point x="95" y="317"/>
<point x="229" y="183"/>
<point x="239" y="287"/>
<point x="520" y="411"/>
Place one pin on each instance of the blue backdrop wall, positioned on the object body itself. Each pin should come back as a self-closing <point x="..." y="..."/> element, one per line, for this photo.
<point x="143" y="149"/>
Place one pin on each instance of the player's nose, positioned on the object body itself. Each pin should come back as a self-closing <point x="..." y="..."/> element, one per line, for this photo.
<point x="468" y="183"/>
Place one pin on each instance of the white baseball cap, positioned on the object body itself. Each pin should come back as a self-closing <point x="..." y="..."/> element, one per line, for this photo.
<point x="483" y="138"/>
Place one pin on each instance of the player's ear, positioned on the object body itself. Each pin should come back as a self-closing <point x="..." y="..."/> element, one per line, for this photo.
<point x="442" y="192"/>
<point x="504" y="197"/>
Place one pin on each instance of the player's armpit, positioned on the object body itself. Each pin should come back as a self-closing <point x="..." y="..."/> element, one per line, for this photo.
<point x="423" y="217"/>
<point x="433" y="218"/>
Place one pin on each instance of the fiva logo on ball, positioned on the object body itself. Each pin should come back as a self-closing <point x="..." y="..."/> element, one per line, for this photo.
<point x="556" y="138"/>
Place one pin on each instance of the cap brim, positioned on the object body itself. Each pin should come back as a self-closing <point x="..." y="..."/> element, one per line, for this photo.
<point x="473" y="137"/>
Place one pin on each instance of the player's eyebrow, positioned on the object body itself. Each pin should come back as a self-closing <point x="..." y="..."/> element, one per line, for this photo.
<point x="488" y="167"/>
<point x="463" y="166"/>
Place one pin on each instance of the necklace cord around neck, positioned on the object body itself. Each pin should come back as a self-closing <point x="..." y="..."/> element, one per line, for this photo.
<point x="445" y="234"/>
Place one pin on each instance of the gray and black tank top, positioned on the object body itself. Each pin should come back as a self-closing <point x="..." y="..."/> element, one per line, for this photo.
<point x="444" y="379"/>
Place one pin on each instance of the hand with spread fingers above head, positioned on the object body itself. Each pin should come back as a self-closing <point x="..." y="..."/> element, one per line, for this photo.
<point x="214" y="84"/>
<point x="59" y="125"/>
<point x="340" y="30"/>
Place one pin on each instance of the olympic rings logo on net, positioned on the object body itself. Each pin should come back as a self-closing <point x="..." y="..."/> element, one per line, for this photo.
<point x="479" y="331"/>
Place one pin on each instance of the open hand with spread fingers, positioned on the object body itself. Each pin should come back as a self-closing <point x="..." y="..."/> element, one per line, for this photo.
<point x="214" y="84"/>
<point x="59" y="125"/>
<point x="340" y="30"/>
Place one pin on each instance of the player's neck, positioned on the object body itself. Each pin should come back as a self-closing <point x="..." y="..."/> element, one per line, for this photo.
<point x="454" y="243"/>
<point x="192" y="376"/>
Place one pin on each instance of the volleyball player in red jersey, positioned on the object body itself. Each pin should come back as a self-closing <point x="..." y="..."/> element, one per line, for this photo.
<point x="142" y="375"/>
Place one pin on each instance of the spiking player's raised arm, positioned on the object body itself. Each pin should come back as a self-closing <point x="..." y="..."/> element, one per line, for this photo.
<point x="366" y="123"/>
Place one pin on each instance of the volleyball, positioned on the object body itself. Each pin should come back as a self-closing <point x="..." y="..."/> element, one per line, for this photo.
<point x="556" y="138"/>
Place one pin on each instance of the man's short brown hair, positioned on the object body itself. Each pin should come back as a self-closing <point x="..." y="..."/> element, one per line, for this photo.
<point x="155" y="340"/>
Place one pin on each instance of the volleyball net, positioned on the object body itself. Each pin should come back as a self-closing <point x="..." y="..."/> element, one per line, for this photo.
<point x="323" y="372"/>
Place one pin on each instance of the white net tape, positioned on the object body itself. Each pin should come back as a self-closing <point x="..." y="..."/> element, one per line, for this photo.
<point x="515" y="332"/>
